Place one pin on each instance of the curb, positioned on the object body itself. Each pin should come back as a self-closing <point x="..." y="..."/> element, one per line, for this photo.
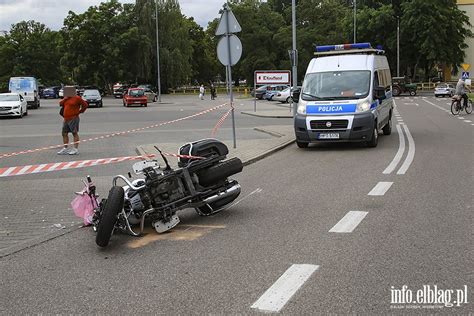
<point x="268" y="152"/>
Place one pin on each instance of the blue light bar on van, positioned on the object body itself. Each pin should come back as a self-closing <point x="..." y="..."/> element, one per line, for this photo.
<point x="328" y="48"/>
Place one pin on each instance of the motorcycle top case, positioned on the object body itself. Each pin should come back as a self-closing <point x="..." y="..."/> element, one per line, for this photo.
<point x="202" y="148"/>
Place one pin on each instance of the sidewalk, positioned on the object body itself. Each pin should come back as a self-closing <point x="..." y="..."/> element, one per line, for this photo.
<point x="248" y="151"/>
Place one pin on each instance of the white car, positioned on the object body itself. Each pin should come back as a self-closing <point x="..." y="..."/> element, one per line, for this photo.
<point x="284" y="96"/>
<point x="444" y="89"/>
<point x="13" y="104"/>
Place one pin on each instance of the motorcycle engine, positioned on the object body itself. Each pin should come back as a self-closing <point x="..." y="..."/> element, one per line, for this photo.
<point x="167" y="191"/>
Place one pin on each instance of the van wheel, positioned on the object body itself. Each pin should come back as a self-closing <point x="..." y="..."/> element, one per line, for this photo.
<point x="387" y="129"/>
<point x="375" y="137"/>
<point x="302" y="144"/>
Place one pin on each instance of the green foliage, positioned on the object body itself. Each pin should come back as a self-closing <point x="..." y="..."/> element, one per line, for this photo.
<point x="114" y="42"/>
<point x="30" y="48"/>
<point x="433" y="32"/>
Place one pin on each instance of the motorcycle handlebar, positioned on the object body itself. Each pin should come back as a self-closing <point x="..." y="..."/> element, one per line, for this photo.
<point x="114" y="182"/>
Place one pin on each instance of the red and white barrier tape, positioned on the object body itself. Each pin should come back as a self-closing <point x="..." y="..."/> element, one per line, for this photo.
<point x="221" y="121"/>
<point x="114" y="134"/>
<point x="66" y="165"/>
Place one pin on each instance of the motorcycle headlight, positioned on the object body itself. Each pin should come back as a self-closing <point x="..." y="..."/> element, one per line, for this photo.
<point x="363" y="106"/>
<point x="301" y="109"/>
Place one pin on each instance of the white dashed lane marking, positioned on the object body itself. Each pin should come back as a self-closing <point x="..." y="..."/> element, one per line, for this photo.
<point x="349" y="222"/>
<point x="275" y="298"/>
<point x="381" y="188"/>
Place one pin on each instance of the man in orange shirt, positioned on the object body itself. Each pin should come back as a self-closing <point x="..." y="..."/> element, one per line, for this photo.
<point x="73" y="106"/>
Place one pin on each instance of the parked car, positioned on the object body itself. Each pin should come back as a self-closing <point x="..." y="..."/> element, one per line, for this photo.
<point x="13" y="104"/>
<point x="50" y="92"/>
<point x="119" y="90"/>
<point x="150" y="95"/>
<point x="92" y="97"/>
<point x="444" y="89"/>
<point x="61" y="93"/>
<point x="273" y="90"/>
<point x="284" y="96"/>
<point x="135" y="96"/>
<point x="259" y="92"/>
<point x="402" y="85"/>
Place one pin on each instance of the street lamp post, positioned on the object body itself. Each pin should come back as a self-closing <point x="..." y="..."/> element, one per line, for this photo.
<point x="398" y="46"/>
<point x="157" y="53"/>
<point x="355" y="20"/>
<point x="295" y="53"/>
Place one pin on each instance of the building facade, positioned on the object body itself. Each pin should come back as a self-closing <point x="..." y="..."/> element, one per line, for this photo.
<point x="468" y="7"/>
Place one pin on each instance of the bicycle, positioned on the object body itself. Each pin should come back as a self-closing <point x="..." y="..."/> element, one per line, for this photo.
<point x="457" y="105"/>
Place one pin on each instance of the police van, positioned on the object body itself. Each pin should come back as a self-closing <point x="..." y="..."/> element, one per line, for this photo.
<point x="346" y="96"/>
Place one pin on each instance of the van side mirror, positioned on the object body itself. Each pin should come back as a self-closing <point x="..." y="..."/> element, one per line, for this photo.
<point x="379" y="92"/>
<point x="295" y="95"/>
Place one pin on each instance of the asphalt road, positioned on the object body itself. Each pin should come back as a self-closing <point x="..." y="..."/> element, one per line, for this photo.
<point x="408" y="225"/>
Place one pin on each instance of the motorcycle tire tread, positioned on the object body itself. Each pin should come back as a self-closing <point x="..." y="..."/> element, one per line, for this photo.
<point x="107" y="222"/>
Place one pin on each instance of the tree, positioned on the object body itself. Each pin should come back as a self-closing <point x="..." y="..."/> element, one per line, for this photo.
<point x="433" y="32"/>
<point x="30" y="48"/>
<point x="102" y="44"/>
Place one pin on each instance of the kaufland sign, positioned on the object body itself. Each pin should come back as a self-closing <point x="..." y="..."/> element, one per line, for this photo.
<point x="272" y="77"/>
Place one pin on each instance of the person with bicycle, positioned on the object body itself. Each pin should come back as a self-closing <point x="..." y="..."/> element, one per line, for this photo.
<point x="461" y="88"/>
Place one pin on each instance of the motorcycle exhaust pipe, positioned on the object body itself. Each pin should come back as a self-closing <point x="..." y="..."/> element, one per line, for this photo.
<point x="235" y="189"/>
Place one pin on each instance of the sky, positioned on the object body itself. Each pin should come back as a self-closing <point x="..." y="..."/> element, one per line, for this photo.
<point x="52" y="12"/>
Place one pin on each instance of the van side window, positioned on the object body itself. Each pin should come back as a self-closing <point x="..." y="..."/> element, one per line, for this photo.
<point x="376" y="79"/>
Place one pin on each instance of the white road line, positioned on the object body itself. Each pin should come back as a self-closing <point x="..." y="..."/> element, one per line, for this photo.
<point x="285" y="287"/>
<point x="349" y="222"/>
<point x="411" y="152"/>
<point x="381" y="188"/>
<point x="435" y="105"/>
<point x="399" y="154"/>
<point x="460" y="118"/>
<point x="467" y="121"/>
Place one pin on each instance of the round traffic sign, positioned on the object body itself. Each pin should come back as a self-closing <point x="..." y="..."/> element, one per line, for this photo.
<point x="235" y="50"/>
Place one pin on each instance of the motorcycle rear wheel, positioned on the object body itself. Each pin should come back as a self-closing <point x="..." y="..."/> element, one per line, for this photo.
<point x="108" y="219"/>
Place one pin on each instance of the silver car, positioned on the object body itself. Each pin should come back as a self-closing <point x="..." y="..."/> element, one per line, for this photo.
<point x="444" y="89"/>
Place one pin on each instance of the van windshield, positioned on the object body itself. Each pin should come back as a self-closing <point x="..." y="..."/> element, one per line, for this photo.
<point x="336" y="85"/>
<point x="21" y="84"/>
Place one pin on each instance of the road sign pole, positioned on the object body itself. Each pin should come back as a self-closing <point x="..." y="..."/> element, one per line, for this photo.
<point x="229" y="69"/>
<point x="255" y="91"/>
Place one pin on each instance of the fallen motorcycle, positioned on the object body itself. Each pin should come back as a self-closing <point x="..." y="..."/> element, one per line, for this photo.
<point x="201" y="181"/>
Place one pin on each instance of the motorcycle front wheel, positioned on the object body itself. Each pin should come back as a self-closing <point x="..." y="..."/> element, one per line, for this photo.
<point x="108" y="219"/>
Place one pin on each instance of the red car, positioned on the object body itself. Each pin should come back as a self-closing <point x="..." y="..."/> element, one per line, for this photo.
<point x="135" y="96"/>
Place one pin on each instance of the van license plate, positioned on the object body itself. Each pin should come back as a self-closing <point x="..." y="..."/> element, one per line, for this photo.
<point x="328" y="136"/>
